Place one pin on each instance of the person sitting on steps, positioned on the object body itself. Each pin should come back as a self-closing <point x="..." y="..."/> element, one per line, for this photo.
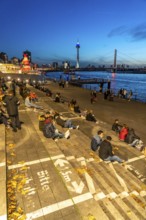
<point x="106" y="151"/>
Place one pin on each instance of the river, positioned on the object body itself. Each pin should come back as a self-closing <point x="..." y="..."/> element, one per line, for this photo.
<point x="128" y="81"/>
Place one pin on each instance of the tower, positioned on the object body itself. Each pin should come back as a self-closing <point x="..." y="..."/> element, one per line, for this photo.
<point x="115" y="61"/>
<point x="25" y="64"/>
<point x="28" y="53"/>
<point x="78" y="47"/>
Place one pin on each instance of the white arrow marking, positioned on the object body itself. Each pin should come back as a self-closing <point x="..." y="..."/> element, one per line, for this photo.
<point x="76" y="188"/>
<point x="90" y="183"/>
<point x="60" y="162"/>
<point x="121" y="181"/>
<point x="128" y="167"/>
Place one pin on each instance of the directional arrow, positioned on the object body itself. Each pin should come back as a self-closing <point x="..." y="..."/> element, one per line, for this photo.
<point x="128" y="167"/>
<point x="60" y="162"/>
<point x="78" y="188"/>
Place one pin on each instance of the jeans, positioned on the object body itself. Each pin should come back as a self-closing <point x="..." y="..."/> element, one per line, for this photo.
<point x="114" y="158"/>
<point x="58" y="135"/>
<point x="68" y="124"/>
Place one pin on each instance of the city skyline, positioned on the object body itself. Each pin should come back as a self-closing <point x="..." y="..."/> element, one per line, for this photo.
<point x="51" y="29"/>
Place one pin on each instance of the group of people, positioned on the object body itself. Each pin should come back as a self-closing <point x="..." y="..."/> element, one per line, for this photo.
<point x="123" y="93"/>
<point x="127" y="135"/>
<point x="47" y="123"/>
<point x="104" y="147"/>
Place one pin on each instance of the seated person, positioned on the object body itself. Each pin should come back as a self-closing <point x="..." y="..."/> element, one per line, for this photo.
<point x="50" y="131"/>
<point x="90" y="116"/>
<point x="33" y="97"/>
<point x="96" y="140"/>
<point x="48" y="92"/>
<point x="83" y="114"/>
<point x="71" y="104"/>
<point x="116" y="126"/>
<point x="42" y="119"/>
<point x="57" y="97"/>
<point x="131" y="137"/>
<point x="64" y="123"/>
<point x="106" y="152"/>
<point x="77" y="108"/>
<point x="30" y="104"/>
<point x="123" y="133"/>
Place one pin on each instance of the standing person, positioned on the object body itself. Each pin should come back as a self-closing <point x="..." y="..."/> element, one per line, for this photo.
<point x="106" y="151"/>
<point x="130" y="95"/>
<point x="11" y="103"/>
<point x="96" y="140"/>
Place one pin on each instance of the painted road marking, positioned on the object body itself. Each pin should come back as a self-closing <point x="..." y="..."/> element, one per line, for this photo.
<point x="60" y="162"/>
<point x="2" y="164"/>
<point x="59" y="157"/>
<point x="121" y="181"/>
<point x="135" y="158"/>
<point x="75" y="200"/>
<point x="90" y="183"/>
<point x="35" y="161"/>
<point x="58" y="206"/>
<point x="3" y="217"/>
<point x="78" y="188"/>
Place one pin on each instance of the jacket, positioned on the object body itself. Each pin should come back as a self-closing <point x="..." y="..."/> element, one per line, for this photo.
<point x="90" y="117"/>
<point x="131" y="136"/>
<point x="49" y="130"/>
<point x="60" y="121"/>
<point x="123" y="133"/>
<point x="116" y="127"/>
<point x="95" y="142"/>
<point x="105" y="150"/>
<point x="11" y="103"/>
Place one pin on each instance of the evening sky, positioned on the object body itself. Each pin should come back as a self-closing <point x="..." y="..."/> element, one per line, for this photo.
<point x="50" y="29"/>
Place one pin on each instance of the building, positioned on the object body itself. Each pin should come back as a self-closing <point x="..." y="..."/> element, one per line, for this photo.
<point x="3" y="57"/>
<point x="77" y="47"/>
<point x="28" y="54"/>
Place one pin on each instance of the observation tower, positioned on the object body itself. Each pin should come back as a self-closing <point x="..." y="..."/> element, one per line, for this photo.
<point x="78" y="47"/>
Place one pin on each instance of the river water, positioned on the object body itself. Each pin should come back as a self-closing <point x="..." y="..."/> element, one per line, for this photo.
<point x="128" y="81"/>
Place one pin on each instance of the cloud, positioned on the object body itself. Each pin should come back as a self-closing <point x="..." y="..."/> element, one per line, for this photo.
<point x="118" y="31"/>
<point x="136" y="33"/>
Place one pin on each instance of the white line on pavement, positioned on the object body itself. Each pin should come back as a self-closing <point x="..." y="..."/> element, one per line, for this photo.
<point x="121" y="181"/>
<point x="61" y="156"/>
<point x="2" y="164"/>
<point x="58" y="206"/>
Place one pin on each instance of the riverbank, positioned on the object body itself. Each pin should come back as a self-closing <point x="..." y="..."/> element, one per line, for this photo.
<point x="66" y="180"/>
<point x="131" y="113"/>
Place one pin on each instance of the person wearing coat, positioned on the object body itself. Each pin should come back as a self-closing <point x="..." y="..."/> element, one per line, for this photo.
<point x="106" y="151"/>
<point x="123" y="133"/>
<point x="131" y="136"/>
<point x="116" y="126"/>
<point x="11" y="103"/>
<point x="96" y="140"/>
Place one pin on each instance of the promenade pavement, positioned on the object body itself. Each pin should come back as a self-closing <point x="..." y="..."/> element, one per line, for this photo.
<point x="65" y="180"/>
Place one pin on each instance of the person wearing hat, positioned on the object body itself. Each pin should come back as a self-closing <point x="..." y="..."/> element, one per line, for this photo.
<point x="106" y="151"/>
